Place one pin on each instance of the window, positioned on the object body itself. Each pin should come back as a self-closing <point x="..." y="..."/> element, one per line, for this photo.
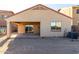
<point x="56" y="26"/>
<point x="77" y="11"/>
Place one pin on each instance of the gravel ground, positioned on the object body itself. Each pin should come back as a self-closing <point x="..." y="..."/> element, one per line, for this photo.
<point x="37" y="45"/>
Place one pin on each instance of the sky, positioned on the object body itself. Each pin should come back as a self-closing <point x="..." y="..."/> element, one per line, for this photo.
<point x="19" y="5"/>
<point x="59" y="6"/>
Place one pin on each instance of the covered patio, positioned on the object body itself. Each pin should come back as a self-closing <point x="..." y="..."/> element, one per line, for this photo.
<point x="30" y="28"/>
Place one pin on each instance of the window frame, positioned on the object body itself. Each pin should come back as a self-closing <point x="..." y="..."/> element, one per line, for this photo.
<point x="55" y="30"/>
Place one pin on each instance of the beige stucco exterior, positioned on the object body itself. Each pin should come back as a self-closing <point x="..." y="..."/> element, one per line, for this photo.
<point x="72" y="12"/>
<point x="67" y="10"/>
<point x="21" y="28"/>
<point x="45" y="16"/>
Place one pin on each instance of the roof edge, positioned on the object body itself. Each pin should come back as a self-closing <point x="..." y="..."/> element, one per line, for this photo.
<point x="44" y="6"/>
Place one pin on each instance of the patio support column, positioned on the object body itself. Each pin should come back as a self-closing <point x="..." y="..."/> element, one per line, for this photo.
<point x="21" y="28"/>
<point x="8" y="29"/>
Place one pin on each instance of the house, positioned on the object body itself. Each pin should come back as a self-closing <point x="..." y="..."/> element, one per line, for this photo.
<point x="4" y="14"/>
<point x="73" y="12"/>
<point x="41" y="20"/>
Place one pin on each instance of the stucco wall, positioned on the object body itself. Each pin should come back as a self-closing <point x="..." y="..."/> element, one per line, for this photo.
<point x="44" y="17"/>
<point x="46" y="28"/>
<point x="75" y="15"/>
<point x="71" y="11"/>
<point x="67" y="10"/>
